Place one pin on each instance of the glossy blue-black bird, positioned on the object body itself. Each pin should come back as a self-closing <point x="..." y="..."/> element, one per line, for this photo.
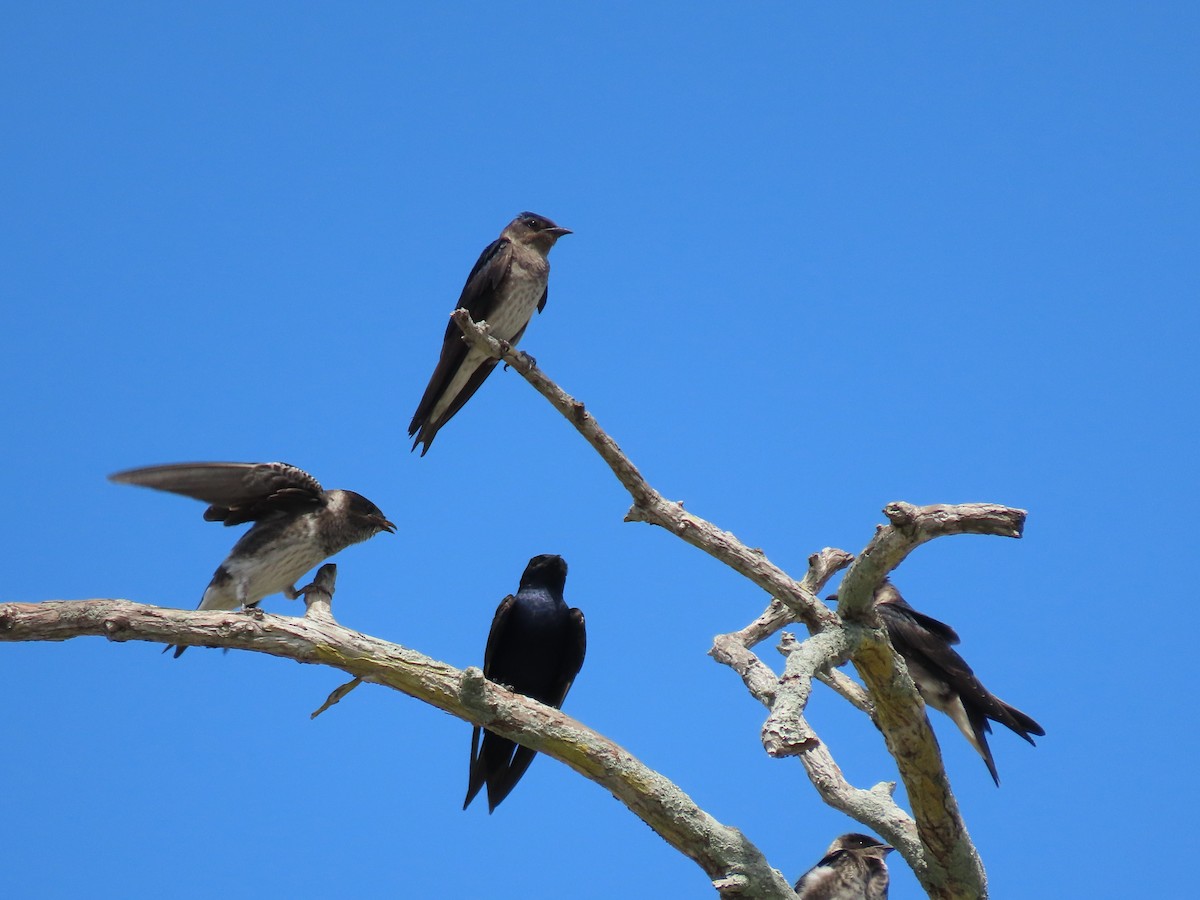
<point x="508" y="282"/>
<point x="536" y="648"/>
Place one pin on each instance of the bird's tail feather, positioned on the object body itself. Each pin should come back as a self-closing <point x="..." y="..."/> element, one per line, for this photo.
<point x="506" y="779"/>
<point x="1020" y="723"/>
<point x="477" y="772"/>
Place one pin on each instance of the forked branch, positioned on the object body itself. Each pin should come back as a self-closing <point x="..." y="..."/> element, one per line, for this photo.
<point x="939" y="848"/>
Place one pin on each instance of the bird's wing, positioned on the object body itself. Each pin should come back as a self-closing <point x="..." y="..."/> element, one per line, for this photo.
<point x="496" y="634"/>
<point x="479" y="299"/>
<point x="425" y="430"/>
<point x="822" y="875"/>
<point x="572" y="659"/>
<point x="913" y="638"/>
<point x="235" y="492"/>
<point x="886" y="595"/>
<point x="933" y="626"/>
<point x="478" y="295"/>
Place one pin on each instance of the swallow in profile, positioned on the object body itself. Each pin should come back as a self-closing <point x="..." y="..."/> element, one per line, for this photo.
<point x="943" y="678"/>
<point x="507" y="284"/>
<point x="297" y="523"/>
<point x="853" y="868"/>
<point x="536" y="648"/>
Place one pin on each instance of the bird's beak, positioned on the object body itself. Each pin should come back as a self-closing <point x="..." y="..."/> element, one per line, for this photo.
<point x="558" y="231"/>
<point x="385" y="525"/>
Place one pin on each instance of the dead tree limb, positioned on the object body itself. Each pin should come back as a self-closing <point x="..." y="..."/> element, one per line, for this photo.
<point x="734" y="864"/>
<point x="935" y="841"/>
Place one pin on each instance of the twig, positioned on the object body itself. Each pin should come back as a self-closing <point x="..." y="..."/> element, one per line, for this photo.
<point x="337" y="695"/>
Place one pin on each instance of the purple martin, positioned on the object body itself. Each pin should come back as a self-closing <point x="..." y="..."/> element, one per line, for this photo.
<point x="853" y="868"/>
<point x="943" y="678"/>
<point x="507" y="283"/>
<point x="536" y="648"/>
<point x="297" y="523"/>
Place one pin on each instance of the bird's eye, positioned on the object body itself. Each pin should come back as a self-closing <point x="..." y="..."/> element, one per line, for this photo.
<point x="533" y="222"/>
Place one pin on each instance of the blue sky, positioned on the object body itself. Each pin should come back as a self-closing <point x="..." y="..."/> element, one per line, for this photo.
<point x="823" y="259"/>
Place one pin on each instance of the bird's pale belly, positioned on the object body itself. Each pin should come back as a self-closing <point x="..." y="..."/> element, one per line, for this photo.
<point x="510" y="317"/>
<point x="251" y="579"/>
<point x="504" y="323"/>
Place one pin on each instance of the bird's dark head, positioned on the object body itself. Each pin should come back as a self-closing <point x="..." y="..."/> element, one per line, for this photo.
<point x="365" y="515"/>
<point x="534" y="230"/>
<point x="546" y="571"/>
<point x="856" y="841"/>
<point x="885" y="593"/>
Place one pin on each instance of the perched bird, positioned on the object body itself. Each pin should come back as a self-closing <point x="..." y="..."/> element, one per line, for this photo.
<point x="536" y="648"/>
<point x="507" y="284"/>
<point x="853" y="868"/>
<point x="943" y="677"/>
<point x="297" y="523"/>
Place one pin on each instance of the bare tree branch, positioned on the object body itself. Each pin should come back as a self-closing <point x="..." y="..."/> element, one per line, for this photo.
<point x="934" y="841"/>
<point x="736" y="866"/>
<point x="733" y="649"/>
<point x="787" y="731"/>
<point x="910" y="527"/>
<point x="821" y="567"/>
<point x="648" y="505"/>
<point x="945" y="860"/>
<point x="955" y="869"/>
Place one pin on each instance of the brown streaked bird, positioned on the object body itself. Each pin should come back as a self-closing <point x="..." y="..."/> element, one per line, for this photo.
<point x="297" y="523"/>
<point x="535" y="647"/>
<point x="944" y="679"/>
<point x="853" y="868"/>
<point x="508" y="282"/>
